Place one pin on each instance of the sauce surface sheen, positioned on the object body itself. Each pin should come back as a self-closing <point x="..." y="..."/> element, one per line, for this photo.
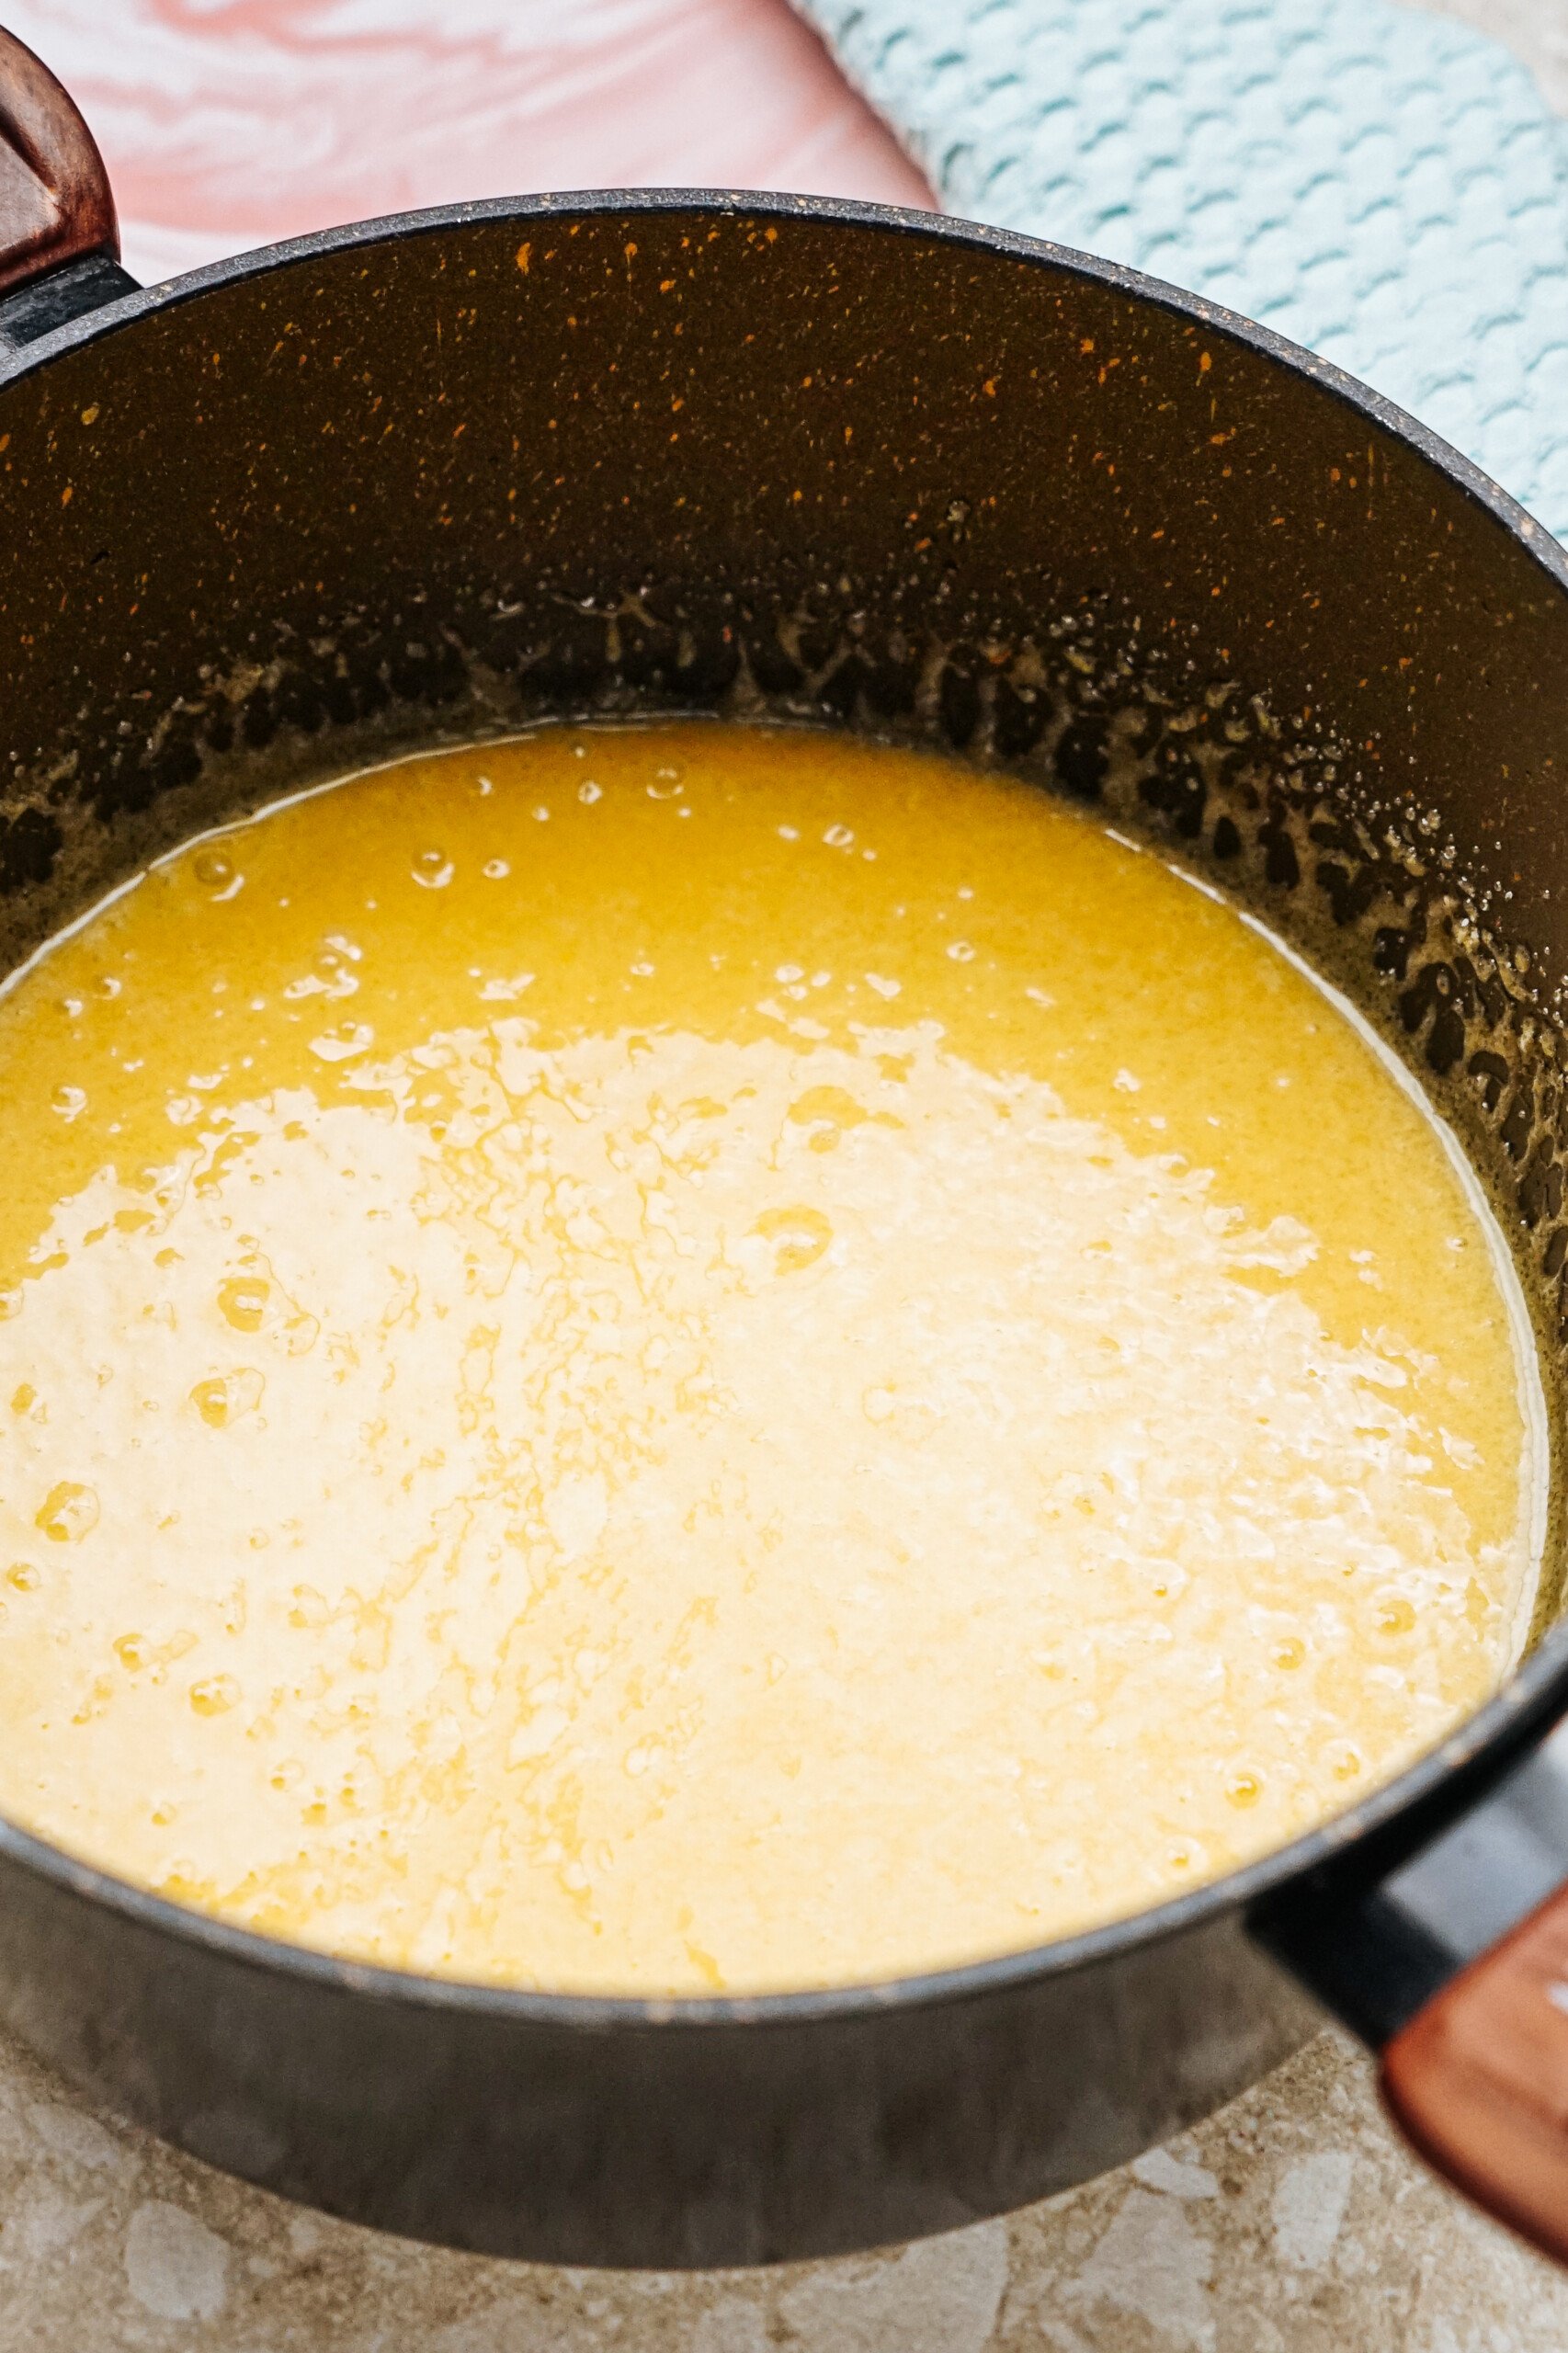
<point x="693" y="1359"/>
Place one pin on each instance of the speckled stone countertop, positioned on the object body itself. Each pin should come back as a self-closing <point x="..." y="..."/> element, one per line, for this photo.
<point x="1290" y="2222"/>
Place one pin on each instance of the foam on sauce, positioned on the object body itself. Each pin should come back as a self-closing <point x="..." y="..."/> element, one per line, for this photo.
<point x="692" y="1358"/>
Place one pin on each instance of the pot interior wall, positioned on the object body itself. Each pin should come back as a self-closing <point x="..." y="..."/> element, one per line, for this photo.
<point x="773" y="464"/>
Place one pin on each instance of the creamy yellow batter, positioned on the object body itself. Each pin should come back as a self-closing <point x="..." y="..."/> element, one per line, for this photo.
<point x="691" y="1358"/>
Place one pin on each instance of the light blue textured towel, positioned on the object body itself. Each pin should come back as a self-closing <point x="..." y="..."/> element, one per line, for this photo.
<point x="1387" y="188"/>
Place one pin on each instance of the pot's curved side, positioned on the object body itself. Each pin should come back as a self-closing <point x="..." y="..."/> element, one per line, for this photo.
<point x="657" y="2144"/>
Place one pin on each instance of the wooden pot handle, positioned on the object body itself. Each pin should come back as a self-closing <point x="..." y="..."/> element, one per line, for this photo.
<point x="55" y="204"/>
<point x="1479" y="2079"/>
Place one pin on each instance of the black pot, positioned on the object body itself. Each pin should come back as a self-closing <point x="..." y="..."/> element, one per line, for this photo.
<point x="440" y="475"/>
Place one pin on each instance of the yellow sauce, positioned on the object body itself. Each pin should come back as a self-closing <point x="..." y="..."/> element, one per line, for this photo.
<point x="692" y="1358"/>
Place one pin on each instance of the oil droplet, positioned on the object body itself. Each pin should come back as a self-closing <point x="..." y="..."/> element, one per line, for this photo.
<point x="589" y="791"/>
<point x="106" y="985"/>
<point x="68" y="1101"/>
<point x="960" y="951"/>
<point x="801" y="1235"/>
<point x="433" y="869"/>
<point x="23" y="1397"/>
<point x="242" y="1300"/>
<point x="1243" y="1789"/>
<point x="838" y="837"/>
<point x="221" y="1402"/>
<point x="131" y="1651"/>
<point x="67" y="1513"/>
<point x="1344" y="1761"/>
<point x="212" y="869"/>
<point x="10" y="1301"/>
<point x="1291" y="1652"/>
<point x="215" y="1696"/>
<point x="23" y="1576"/>
<point x="496" y="869"/>
<point x="1396" y="1616"/>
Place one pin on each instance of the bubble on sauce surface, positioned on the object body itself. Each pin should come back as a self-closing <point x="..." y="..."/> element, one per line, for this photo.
<point x="800" y="1237"/>
<point x="242" y="1301"/>
<point x="225" y="1397"/>
<point x="214" y="1695"/>
<point x="68" y="1512"/>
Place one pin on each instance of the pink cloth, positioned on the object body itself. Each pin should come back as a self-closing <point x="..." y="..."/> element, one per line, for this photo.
<point x="228" y="123"/>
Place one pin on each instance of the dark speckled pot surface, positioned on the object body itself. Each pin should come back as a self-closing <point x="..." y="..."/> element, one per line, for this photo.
<point x="436" y="478"/>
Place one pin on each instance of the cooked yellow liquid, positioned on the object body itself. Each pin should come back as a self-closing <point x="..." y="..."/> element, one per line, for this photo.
<point x="701" y="1359"/>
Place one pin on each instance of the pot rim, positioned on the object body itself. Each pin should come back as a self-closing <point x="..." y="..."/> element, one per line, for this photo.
<point x="1535" y="1692"/>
